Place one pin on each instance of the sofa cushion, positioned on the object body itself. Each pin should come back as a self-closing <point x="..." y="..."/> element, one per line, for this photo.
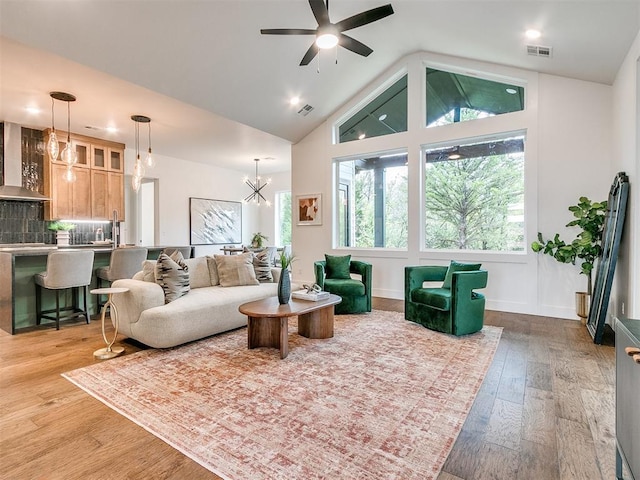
<point x="198" y="272"/>
<point x="262" y="266"/>
<point x="337" y="267"/>
<point x="236" y="270"/>
<point x="172" y="276"/>
<point x="439" y="298"/>
<point x="214" y="279"/>
<point x="458" y="267"/>
<point x="347" y="288"/>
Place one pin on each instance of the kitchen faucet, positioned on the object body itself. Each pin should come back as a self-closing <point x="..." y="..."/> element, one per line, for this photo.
<point x="115" y="233"/>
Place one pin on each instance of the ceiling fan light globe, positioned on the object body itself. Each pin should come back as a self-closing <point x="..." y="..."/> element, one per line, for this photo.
<point x="326" y="40"/>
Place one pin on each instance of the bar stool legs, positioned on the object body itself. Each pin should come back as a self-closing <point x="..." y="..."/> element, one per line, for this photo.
<point x="75" y="309"/>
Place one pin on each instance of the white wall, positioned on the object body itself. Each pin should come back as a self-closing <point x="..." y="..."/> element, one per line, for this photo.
<point x="626" y="157"/>
<point x="280" y="182"/>
<point x="569" y="135"/>
<point x="180" y="179"/>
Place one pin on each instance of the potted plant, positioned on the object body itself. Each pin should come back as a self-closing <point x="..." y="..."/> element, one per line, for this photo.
<point x="284" y="283"/>
<point x="586" y="247"/>
<point x="258" y="239"/>
<point x="62" y="230"/>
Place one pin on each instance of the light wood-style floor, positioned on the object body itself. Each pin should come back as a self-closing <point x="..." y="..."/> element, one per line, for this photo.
<point x="545" y="411"/>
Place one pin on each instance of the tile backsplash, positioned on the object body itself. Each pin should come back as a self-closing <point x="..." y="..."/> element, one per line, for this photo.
<point x="23" y="222"/>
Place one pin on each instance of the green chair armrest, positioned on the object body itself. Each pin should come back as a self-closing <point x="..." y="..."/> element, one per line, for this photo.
<point x="415" y="276"/>
<point x="463" y="282"/>
<point x="319" y="269"/>
<point x="363" y="269"/>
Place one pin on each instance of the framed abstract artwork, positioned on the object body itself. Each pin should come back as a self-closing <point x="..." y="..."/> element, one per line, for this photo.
<point x="309" y="208"/>
<point x="214" y="222"/>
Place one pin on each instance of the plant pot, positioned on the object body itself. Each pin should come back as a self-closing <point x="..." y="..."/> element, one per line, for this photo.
<point x="62" y="237"/>
<point x="284" y="287"/>
<point x="583" y="301"/>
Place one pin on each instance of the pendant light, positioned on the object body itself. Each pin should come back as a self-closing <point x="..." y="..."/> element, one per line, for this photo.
<point x="68" y="155"/>
<point x="256" y="195"/>
<point x="53" y="148"/>
<point x="138" y="167"/>
<point x="150" y="161"/>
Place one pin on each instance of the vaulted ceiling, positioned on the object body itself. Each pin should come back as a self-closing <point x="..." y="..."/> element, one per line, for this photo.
<point x="217" y="90"/>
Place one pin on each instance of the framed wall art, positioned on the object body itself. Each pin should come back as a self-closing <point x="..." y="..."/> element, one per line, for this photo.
<point x="214" y="222"/>
<point x="309" y="208"/>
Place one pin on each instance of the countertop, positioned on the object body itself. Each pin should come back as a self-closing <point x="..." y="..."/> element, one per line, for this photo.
<point x="632" y="326"/>
<point x="25" y="249"/>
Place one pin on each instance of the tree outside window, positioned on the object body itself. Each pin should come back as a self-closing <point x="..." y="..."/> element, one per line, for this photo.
<point x="283" y="218"/>
<point x="372" y="201"/>
<point x="474" y="196"/>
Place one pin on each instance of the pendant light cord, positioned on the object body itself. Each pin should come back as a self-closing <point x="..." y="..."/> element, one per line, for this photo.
<point x="53" y="117"/>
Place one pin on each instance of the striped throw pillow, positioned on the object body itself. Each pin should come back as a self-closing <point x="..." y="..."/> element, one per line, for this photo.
<point x="172" y="276"/>
<point x="262" y="266"/>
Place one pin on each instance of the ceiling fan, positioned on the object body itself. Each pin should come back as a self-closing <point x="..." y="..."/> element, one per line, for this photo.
<point x="329" y="34"/>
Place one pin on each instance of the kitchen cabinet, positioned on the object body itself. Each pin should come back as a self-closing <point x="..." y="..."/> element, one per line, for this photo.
<point x="99" y="186"/>
<point x="72" y="198"/>
<point x="627" y="389"/>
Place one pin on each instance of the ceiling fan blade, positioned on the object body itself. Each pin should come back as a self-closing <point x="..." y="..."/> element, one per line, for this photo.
<point x="311" y="53"/>
<point x="364" y="18"/>
<point x="320" y="11"/>
<point x="287" y="31"/>
<point x="354" y="45"/>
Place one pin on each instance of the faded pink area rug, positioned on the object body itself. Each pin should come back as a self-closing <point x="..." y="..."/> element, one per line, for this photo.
<point x="384" y="399"/>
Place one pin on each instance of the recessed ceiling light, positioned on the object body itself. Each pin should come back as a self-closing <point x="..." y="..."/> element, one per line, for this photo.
<point x="111" y="129"/>
<point x="294" y="100"/>
<point x="32" y="110"/>
<point x="382" y="117"/>
<point x="532" y="34"/>
<point x="362" y="135"/>
<point x="511" y="91"/>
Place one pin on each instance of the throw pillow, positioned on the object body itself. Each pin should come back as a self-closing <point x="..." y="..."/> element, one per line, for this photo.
<point x="458" y="267"/>
<point x="262" y="266"/>
<point x="172" y="276"/>
<point x="198" y="272"/>
<point x="149" y="270"/>
<point x="337" y="267"/>
<point x="235" y="270"/>
<point x="213" y="271"/>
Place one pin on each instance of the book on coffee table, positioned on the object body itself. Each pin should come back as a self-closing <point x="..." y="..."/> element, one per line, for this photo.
<point x="313" y="296"/>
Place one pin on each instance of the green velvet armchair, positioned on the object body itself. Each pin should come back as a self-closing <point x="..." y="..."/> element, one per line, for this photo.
<point x="356" y="294"/>
<point x="457" y="310"/>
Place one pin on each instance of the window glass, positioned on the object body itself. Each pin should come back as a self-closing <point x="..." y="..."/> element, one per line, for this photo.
<point x="452" y="97"/>
<point x="384" y="115"/>
<point x="283" y="218"/>
<point x="474" y="195"/>
<point x="372" y="201"/>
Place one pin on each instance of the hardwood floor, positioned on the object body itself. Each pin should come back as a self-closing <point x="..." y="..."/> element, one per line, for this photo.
<point x="545" y="410"/>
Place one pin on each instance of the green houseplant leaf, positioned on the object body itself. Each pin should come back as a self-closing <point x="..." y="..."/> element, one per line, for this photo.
<point x="60" y="225"/>
<point x="587" y="246"/>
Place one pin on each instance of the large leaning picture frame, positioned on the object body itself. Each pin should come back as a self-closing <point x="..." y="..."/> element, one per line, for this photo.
<point x="614" y="222"/>
<point x="309" y="209"/>
<point x="214" y="222"/>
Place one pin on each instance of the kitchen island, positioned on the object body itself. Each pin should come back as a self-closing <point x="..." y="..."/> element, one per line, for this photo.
<point x="18" y="265"/>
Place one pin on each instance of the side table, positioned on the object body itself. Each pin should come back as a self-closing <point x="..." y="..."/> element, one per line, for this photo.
<point x="109" y="351"/>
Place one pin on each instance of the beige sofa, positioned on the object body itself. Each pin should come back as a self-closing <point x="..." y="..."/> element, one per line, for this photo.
<point x="206" y="310"/>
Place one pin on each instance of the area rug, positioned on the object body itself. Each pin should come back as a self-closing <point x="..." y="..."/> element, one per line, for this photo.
<point x="383" y="399"/>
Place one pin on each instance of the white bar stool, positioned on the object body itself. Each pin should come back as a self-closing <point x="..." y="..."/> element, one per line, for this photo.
<point x="65" y="270"/>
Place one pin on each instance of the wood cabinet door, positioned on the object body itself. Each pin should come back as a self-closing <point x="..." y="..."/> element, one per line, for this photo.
<point x="83" y="153"/>
<point x="116" y="195"/>
<point x="61" y="204"/>
<point x="100" y="195"/>
<point x="116" y="160"/>
<point x="98" y="157"/>
<point x="81" y="194"/>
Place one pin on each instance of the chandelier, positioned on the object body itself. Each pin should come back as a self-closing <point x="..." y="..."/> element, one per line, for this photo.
<point x="256" y="186"/>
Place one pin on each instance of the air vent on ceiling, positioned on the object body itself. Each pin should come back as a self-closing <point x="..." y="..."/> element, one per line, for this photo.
<point x="304" y="111"/>
<point x="539" y="51"/>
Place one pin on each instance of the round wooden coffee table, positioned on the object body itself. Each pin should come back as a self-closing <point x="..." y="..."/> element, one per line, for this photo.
<point x="268" y="321"/>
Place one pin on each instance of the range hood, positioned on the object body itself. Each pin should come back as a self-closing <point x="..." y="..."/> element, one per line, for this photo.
<point x="12" y="188"/>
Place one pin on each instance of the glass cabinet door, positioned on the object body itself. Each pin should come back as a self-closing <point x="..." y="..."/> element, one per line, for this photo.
<point x="99" y="157"/>
<point x="116" y="160"/>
